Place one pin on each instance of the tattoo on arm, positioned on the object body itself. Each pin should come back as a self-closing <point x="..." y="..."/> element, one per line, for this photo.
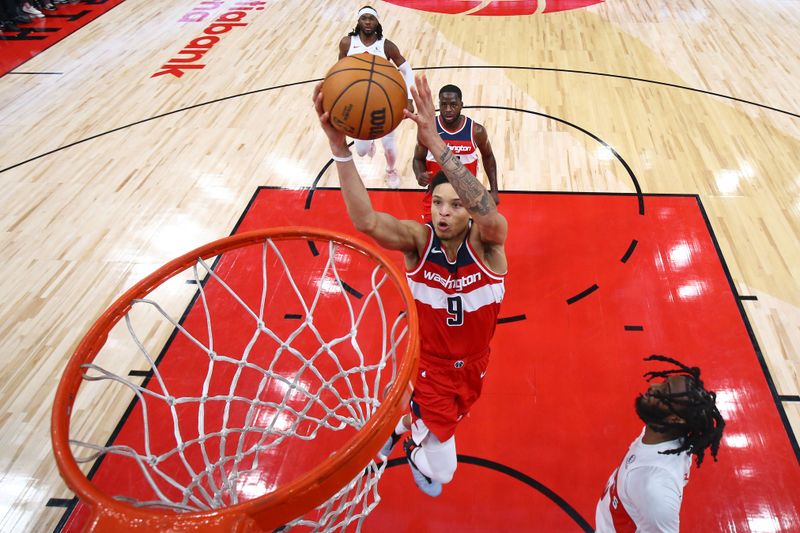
<point x="474" y="195"/>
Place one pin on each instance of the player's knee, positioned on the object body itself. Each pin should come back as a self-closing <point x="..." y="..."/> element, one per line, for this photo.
<point x="362" y="148"/>
<point x="444" y="473"/>
<point x="442" y="458"/>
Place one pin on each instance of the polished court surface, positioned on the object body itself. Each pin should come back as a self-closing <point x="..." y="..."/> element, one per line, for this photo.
<point x="649" y="154"/>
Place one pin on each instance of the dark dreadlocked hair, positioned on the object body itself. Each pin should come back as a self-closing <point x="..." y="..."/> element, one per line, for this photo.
<point x="702" y="424"/>
<point x="378" y="28"/>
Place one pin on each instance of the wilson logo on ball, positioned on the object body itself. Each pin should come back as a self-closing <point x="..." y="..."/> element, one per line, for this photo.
<point x="377" y="120"/>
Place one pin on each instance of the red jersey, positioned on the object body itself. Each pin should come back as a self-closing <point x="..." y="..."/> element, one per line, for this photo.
<point x="461" y="142"/>
<point x="457" y="302"/>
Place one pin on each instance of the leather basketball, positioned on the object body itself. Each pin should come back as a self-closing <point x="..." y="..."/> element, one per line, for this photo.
<point x="365" y="95"/>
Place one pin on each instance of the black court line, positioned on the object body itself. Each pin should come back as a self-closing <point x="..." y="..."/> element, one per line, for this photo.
<point x="351" y="290"/>
<point x="315" y="80"/>
<point x="748" y="297"/>
<point x="76" y="30"/>
<point x="507" y="319"/>
<point x="617" y="76"/>
<point x="629" y="253"/>
<point x="395" y="462"/>
<point x="60" y="502"/>
<point x="310" y="195"/>
<point x="145" y="382"/>
<point x="519" y="476"/>
<point x="246" y="210"/>
<point x="156" y="117"/>
<point x="36" y="73"/>
<point x="634" y="328"/>
<point x="785" y="398"/>
<point x="67" y="513"/>
<point x="631" y="175"/>
<point x="760" y="356"/>
<point x="143" y="373"/>
<point x="583" y="294"/>
<point x="288" y="316"/>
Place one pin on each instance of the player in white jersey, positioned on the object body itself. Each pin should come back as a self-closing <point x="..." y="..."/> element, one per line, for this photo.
<point x="644" y="494"/>
<point x="477" y="246"/>
<point x="368" y="37"/>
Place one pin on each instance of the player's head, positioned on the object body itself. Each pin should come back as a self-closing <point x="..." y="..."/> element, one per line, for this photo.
<point x="368" y="23"/>
<point x="449" y="216"/>
<point x="450" y="104"/>
<point x="679" y="404"/>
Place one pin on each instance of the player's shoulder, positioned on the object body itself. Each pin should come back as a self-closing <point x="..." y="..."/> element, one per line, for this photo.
<point x="421" y="234"/>
<point x="652" y="480"/>
<point x="345" y="41"/>
<point x="390" y="47"/>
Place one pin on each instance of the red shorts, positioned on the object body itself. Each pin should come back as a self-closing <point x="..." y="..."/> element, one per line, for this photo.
<point x="446" y="389"/>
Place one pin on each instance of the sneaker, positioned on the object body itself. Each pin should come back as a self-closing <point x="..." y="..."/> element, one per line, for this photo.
<point x="371" y="152"/>
<point x="392" y="178"/>
<point x="427" y="485"/>
<point x="384" y="452"/>
<point x="32" y="11"/>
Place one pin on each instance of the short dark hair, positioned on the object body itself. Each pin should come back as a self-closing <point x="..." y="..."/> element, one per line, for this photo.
<point x="702" y="424"/>
<point x="450" y="88"/>
<point x="438" y="179"/>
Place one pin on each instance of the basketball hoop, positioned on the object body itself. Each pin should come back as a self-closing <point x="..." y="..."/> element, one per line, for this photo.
<point x="321" y="388"/>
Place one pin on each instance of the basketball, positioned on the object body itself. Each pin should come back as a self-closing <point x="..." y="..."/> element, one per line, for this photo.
<point x="365" y="96"/>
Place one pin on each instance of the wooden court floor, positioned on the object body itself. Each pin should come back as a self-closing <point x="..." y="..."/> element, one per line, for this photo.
<point x="109" y="171"/>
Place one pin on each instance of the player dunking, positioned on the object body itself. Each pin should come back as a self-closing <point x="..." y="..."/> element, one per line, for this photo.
<point x="681" y="419"/>
<point x="368" y="37"/>
<point x="455" y="266"/>
<point x="465" y="138"/>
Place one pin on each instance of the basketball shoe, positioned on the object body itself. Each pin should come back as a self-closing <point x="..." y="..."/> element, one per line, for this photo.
<point x="392" y="178"/>
<point x="384" y="452"/>
<point x="371" y="152"/>
<point x="427" y="485"/>
<point x="32" y="11"/>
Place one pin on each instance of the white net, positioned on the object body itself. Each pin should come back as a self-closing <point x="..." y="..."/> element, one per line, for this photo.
<point x="247" y="396"/>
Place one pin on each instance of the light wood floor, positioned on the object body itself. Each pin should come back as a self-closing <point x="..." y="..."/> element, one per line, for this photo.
<point x="87" y="211"/>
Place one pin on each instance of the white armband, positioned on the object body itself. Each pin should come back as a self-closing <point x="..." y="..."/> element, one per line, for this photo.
<point x="408" y="75"/>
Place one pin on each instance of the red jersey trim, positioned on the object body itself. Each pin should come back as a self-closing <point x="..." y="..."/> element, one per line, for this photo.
<point x="459" y="129"/>
<point x="486" y="270"/>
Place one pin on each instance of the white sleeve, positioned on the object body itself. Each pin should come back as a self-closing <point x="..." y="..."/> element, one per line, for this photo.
<point x="657" y="497"/>
<point x="408" y="75"/>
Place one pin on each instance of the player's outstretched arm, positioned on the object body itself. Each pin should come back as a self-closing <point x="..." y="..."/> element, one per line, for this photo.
<point x="492" y="226"/>
<point x="404" y="235"/>
<point x="393" y="53"/>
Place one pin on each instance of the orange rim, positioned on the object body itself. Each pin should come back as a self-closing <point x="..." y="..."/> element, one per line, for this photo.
<point x="286" y="503"/>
